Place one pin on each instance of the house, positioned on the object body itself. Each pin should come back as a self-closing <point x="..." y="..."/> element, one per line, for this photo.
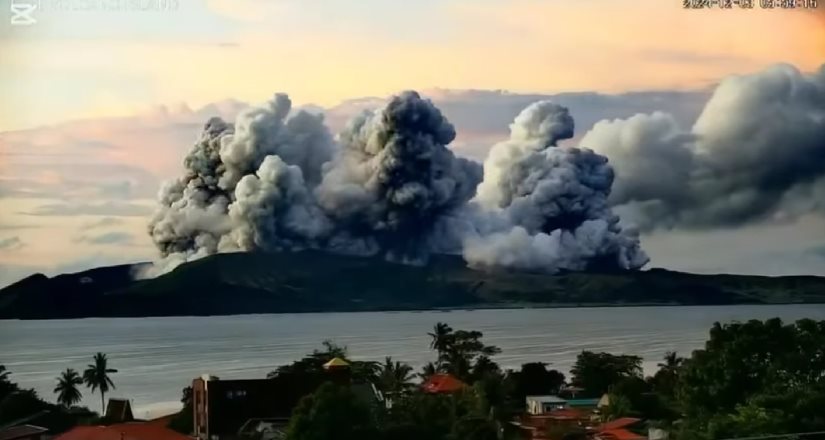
<point x="585" y="404"/>
<point x="23" y="432"/>
<point x="119" y="411"/>
<point x="551" y="425"/>
<point x="442" y="383"/>
<point x="618" y="430"/>
<point x="122" y="431"/>
<point x="537" y="405"/>
<point x="221" y="407"/>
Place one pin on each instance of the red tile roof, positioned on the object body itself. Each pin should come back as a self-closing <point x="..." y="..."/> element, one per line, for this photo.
<point x="442" y="383"/>
<point x="568" y="413"/>
<point x="123" y="431"/>
<point x="620" y="434"/>
<point x="162" y="421"/>
<point x="622" y="422"/>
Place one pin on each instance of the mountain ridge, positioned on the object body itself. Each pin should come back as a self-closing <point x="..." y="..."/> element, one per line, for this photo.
<point x="312" y="281"/>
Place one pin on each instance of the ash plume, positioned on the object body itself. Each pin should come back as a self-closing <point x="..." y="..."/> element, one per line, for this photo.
<point x="756" y="153"/>
<point x="394" y="177"/>
<point x="389" y="185"/>
<point x="551" y="202"/>
<point x="231" y="198"/>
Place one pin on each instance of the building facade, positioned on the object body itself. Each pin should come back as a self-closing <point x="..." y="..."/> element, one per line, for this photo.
<point x="221" y="407"/>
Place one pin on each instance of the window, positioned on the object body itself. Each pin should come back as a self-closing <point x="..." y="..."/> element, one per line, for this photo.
<point x="235" y="394"/>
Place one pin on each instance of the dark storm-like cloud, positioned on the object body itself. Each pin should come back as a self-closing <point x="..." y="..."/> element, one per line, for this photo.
<point x="756" y="153"/>
<point x="389" y="185"/>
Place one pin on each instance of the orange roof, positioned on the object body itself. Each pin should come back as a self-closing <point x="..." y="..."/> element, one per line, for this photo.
<point x="568" y="413"/>
<point x="621" y="422"/>
<point x="162" y="420"/>
<point x="620" y="434"/>
<point x="442" y="383"/>
<point x="122" y="431"/>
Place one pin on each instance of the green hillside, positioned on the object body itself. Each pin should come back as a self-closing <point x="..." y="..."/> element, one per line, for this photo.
<point x="315" y="282"/>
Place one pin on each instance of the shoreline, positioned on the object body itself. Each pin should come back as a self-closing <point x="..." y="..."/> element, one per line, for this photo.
<point x="485" y="307"/>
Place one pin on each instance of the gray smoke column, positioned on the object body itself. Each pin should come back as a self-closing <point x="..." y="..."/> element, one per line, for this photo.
<point x="244" y="187"/>
<point x="756" y="153"/>
<point x="394" y="177"/>
<point x="389" y="185"/>
<point x="548" y="204"/>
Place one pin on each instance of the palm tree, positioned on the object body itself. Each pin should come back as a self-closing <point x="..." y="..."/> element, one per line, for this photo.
<point x="67" y="392"/>
<point x="96" y="376"/>
<point x="441" y="337"/>
<point x="672" y="361"/>
<point x="6" y="385"/>
<point x="4" y="374"/>
<point x="428" y="370"/>
<point x="395" y="376"/>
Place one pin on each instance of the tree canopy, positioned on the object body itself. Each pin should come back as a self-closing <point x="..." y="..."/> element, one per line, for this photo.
<point x="756" y="377"/>
<point x="96" y="377"/>
<point x="333" y="411"/>
<point x="67" y="389"/>
<point x="461" y="352"/>
<point x="596" y="372"/>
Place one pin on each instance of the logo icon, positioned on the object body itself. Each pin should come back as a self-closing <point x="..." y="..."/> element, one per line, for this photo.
<point x="22" y="12"/>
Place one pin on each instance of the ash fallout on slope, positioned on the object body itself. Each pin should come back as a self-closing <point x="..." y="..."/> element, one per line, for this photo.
<point x="388" y="185"/>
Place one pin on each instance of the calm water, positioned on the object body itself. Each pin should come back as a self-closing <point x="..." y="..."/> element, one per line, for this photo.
<point x="159" y="356"/>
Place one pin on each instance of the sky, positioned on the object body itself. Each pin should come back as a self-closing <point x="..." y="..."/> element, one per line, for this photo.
<point x="102" y="99"/>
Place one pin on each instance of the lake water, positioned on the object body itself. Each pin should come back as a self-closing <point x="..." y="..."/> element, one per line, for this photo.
<point x="156" y="357"/>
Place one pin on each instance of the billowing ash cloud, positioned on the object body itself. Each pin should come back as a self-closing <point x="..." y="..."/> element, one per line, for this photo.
<point x="394" y="177"/>
<point x="276" y="180"/>
<point x="756" y="153"/>
<point x="551" y="202"/>
<point x="245" y="187"/>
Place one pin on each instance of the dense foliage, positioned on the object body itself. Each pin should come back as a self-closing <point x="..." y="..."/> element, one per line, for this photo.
<point x="595" y="373"/>
<point x="18" y="404"/>
<point x="754" y="378"/>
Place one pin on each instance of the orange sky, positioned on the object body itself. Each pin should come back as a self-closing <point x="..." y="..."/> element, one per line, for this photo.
<point x="519" y="45"/>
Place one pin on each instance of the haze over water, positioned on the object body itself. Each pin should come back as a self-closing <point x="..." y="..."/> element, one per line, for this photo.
<point x="157" y="357"/>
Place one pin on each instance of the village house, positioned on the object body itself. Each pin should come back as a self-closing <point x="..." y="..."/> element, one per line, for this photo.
<point x="231" y="409"/>
<point x="23" y="432"/>
<point x="537" y="405"/>
<point x="442" y="383"/>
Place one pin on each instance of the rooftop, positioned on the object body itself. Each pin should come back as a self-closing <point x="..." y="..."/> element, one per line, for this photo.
<point x="119" y="410"/>
<point x="583" y="402"/>
<point x="336" y="362"/>
<point x="546" y="399"/>
<point x="122" y="431"/>
<point x="22" y="431"/>
<point x="620" y="434"/>
<point x="619" y="423"/>
<point x="442" y="383"/>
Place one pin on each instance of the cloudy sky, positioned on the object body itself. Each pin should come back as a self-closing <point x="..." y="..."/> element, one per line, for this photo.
<point x="101" y="101"/>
